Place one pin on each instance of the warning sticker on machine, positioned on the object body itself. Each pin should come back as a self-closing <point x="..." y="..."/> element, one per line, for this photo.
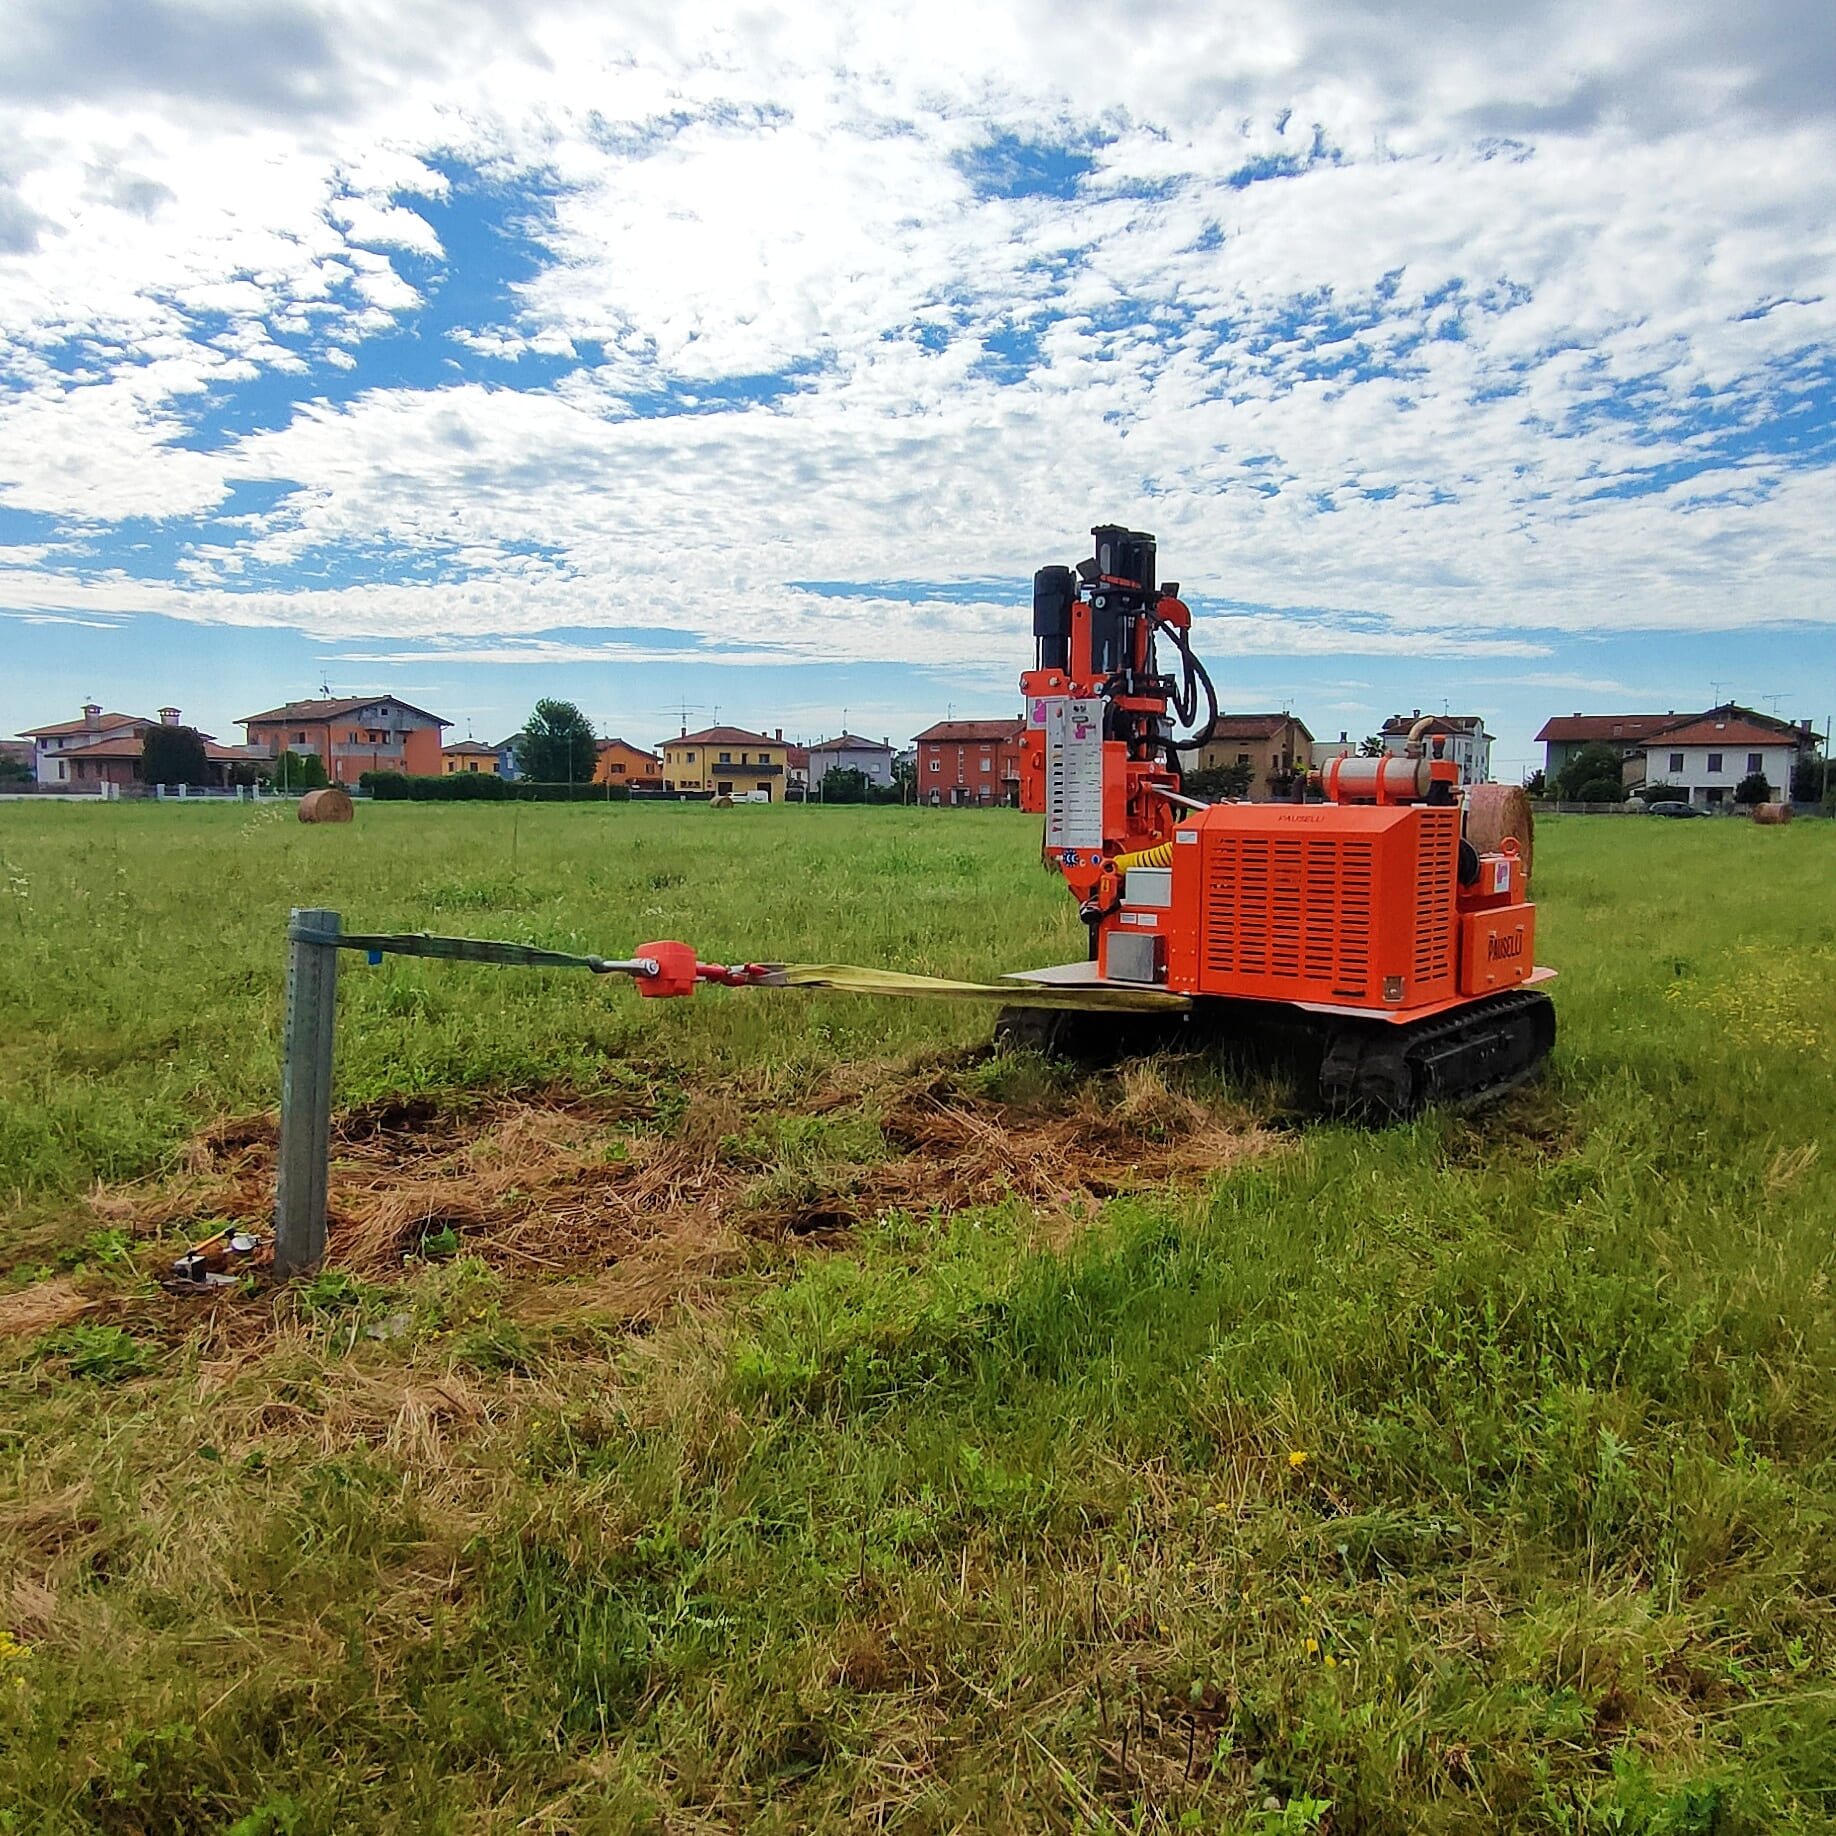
<point x="1074" y="774"/>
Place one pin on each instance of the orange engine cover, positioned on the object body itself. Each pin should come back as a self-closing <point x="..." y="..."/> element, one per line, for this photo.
<point x="1346" y="904"/>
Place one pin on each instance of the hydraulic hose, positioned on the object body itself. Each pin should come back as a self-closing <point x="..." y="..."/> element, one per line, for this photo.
<point x="1193" y="680"/>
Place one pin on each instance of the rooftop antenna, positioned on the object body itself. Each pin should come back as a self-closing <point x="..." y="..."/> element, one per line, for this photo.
<point x="1774" y="700"/>
<point x="1715" y="689"/>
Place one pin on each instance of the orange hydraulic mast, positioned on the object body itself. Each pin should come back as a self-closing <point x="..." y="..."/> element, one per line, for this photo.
<point x="1098" y="757"/>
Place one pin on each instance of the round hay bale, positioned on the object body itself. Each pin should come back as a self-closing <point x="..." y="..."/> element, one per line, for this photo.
<point x="1494" y="811"/>
<point x="1770" y="815"/>
<point x="331" y="805"/>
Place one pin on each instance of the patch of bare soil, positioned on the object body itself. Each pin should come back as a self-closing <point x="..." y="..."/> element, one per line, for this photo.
<point x="26" y="1312"/>
<point x="578" y="1186"/>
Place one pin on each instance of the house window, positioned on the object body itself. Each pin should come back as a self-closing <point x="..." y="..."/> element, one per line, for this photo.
<point x="1714" y="762"/>
<point x="726" y="758"/>
<point x="618" y="771"/>
<point x="1754" y="763"/>
<point x="688" y="758"/>
<point x="473" y="766"/>
<point x="723" y="790"/>
<point x="1243" y="758"/>
<point x="766" y="788"/>
<point x="937" y="764"/>
<point x="299" y="739"/>
<point x="987" y="765"/>
<point x="1676" y="761"/>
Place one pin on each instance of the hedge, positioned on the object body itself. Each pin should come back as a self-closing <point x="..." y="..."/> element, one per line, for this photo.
<point x="483" y="787"/>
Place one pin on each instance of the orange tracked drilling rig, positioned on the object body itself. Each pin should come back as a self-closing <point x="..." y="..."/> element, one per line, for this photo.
<point x="1364" y="936"/>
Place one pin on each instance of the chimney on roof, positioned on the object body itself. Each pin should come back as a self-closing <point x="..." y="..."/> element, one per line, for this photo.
<point x="168" y="717"/>
<point x="1577" y="714"/>
<point x="1344" y="737"/>
<point x="777" y="733"/>
<point x="684" y="730"/>
<point x="1417" y="715"/>
<point x="92" y="714"/>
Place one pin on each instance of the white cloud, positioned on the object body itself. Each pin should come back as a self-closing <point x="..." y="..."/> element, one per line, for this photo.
<point x="1524" y="270"/>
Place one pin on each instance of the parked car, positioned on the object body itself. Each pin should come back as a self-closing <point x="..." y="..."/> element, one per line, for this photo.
<point x="1673" y="809"/>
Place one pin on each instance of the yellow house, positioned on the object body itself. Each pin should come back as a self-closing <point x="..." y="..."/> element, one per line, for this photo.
<point x="726" y="762"/>
<point x="468" y="755"/>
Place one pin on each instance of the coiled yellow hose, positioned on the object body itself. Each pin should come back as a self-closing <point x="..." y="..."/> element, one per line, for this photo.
<point x="1161" y="856"/>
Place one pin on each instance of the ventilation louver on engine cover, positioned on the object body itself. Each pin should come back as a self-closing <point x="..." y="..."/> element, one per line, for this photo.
<point x="1434" y="886"/>
<point x="1295" y="911"/>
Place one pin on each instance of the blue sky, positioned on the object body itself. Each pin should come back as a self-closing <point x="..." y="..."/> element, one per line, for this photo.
<point x="747" y="363"/>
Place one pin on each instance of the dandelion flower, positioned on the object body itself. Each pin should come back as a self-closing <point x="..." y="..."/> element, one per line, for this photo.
<point x="1313" y="1647"/>
<point x="1297" y="1458"/>
<point x="1332" y="1663"/>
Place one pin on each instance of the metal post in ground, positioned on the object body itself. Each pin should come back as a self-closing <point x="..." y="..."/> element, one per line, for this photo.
<point x="306" y="1088"/>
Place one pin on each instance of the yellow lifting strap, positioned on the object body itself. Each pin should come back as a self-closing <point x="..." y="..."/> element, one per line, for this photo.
<point x="847" y="978"/>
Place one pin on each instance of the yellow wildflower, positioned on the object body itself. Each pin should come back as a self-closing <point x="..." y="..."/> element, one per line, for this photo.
<point x="1297" y="1458"/>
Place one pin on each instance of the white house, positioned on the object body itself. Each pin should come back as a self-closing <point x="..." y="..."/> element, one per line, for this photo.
<point x="873" y="759"/>
<point x="1464" y="738"/>
<point x="1706" y="759"/>
<point x="49" y="744"/>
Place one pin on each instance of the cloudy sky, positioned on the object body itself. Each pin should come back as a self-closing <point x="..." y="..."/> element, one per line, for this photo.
<point x="699" y="358"/>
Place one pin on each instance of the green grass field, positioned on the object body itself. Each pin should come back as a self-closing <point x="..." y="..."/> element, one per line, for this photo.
<point x="750" y="1412"/>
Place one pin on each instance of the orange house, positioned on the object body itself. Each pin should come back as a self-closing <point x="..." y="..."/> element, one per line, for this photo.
<point x="378" y="733"/>
<point x="468" y="755"/>
<point x="620" y="762"/>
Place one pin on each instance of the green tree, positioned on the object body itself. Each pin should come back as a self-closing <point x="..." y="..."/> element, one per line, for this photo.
<point x="299" y="771"/>
<point x="1536" y="785"/>
<point x="1372" y="746"/>
<point x="1808" y="777"/>
<point x="557" y="745"/>
<point x="1753" y="788"/>
<point x="1593" y="775"/>
<point x="173" y="755"/>
<point x="1220" y="781"/>
<point x="843" y="784"/>
<point x="14" y="771"/>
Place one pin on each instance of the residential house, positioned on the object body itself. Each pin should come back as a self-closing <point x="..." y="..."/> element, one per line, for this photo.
<point x="353" y="735"/>
<point x="970" y="763"/>
<point x="1703" y="756"/>
<point x="104" y="749"/>
<point x="1275" y="747"/>
<point x="1564" y="736"/>
<point x="620" y="762"/>
<point x="726" y="762"/>
<point x="873" y="759"/>
<point x="1463" y="736"/>
<point x="1706" y="757"/>
<point x="469" y="756"/>
<point x="51" y="746"/>
<point x="1325" y="751"/>
<point x="506" y="756"/>
<point x="797" y="773"/>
